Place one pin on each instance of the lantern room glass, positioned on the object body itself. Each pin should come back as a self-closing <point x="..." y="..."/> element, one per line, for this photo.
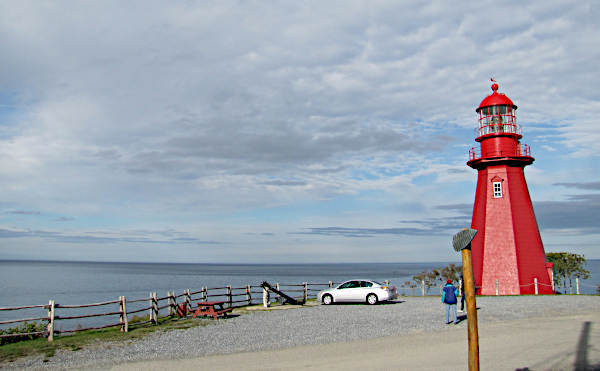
<point x="497" y="119"/>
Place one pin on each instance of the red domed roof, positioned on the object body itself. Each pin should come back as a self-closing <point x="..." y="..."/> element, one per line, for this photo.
<point x="496" y="99"/>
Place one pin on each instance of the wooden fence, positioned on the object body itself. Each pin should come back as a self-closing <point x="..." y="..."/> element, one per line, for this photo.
<point x="166" y="306"/>
<point x="424" y="289"/>
<point x="155" y="307"/>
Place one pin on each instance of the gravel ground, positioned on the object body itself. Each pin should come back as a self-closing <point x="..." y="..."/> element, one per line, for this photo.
<point x="309" y="325"/>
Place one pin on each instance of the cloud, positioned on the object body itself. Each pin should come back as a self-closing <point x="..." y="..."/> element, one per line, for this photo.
<point x="284" y="183"/>
<point x="104" y="237"/>
<point x="591" y="186"/>
<point x="148" y="115"/>
<point x="23" y="212"/>
<point x="426" y="227"/>
<point x="578" y="213"/>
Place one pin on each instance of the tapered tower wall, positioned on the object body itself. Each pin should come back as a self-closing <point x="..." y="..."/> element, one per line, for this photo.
<point x="530" y="251"/>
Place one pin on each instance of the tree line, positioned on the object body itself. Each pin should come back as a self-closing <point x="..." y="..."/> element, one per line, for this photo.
<point x="567" y="267"/>
<point x="435" y="277"/>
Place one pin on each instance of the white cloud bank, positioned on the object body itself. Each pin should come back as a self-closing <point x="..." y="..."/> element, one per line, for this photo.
<point x="248" y="124"/>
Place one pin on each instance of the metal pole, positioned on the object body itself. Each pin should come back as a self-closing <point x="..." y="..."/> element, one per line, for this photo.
<point x="473" y="333"/>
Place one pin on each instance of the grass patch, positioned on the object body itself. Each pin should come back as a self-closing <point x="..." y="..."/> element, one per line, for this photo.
<point x="79" y="340"/>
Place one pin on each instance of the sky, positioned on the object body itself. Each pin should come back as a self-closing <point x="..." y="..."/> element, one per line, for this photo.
<point x="281" y="132"/>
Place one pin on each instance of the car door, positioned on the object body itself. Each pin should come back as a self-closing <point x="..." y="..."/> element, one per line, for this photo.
<point x="347" y="291"/>
<point x="360" y="293"/>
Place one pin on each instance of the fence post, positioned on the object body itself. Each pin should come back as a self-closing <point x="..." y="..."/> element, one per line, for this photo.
<point x="151" y="309"/>
<point x="51" y="320"/>
<point x="278" y="297"/>
<point x="497" y="287"/>
<point x="266" y="298"/>
<point x="204" y="293"/>
<point x="123" y="315"/>
<point x="577" y="284"/>
<point x="174" y="310"/>
<point x="229" y="296"/>
<point x="170" y="303"/>
<point x="248" y="296"/>
<point x="305" y="291"/>
<point x="535" y="282"/>
<point x="156" y="314"/>
<point x="330" y="284"/>
<point x="188" y="299"/>
<point x="422" y="287"/>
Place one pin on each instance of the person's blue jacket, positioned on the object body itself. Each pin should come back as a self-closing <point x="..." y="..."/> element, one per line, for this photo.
<point x="450" y="292"/>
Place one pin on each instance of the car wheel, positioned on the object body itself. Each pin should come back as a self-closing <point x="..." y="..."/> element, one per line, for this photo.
<point x="327" y="299"/>
<point x="372" y="299"/>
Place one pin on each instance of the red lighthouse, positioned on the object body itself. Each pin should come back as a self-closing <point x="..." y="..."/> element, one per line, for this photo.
<point x="508" y="254"/>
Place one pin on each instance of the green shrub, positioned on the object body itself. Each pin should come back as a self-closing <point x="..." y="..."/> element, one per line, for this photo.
<point x="24" y="328"/>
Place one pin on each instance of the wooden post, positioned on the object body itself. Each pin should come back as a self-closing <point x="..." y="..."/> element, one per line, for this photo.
<point x="279" y="297"/>
<point x="174" y="304"/>
<point x="229" y="296"/>
<point x="473" y="333"/>
<point x="188" y="300"/>
<point x="156" y="314"/>
<point x="248" y="296"/>
<point x="51" y="320"/>
<point x="123" y="315"/>
<point x="422" y="287"/>
<point x="151" y="308"/>
<point x="204" y="293"/>
<point x="266" y="298"/>
<point x="170" y="303"/>
<point x="577" y="285"/>
<point x="153" y="311"/>
<point x="305" y="291"/>
<point x="497" y="287"/>
<point x="330" y="284"/>
<point x="535" y="283"/>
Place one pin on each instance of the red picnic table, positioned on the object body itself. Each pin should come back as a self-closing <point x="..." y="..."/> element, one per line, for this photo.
<point x="211" y="308"/>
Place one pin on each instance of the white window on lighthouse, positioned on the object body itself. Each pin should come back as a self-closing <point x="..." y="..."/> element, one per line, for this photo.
<point x="497" y="190"/>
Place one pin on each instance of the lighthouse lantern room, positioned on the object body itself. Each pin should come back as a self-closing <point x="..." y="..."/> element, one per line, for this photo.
<point x="507" y="252"/>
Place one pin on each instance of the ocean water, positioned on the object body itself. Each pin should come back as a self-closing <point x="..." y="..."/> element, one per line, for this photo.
<point x="72" y="283"/>
<point x="26" y="283"/>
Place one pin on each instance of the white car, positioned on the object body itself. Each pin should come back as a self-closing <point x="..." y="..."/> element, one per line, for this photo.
<point x="360" y="291"/>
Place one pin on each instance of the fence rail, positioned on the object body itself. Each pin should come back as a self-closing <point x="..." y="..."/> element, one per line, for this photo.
<point x="234" y="297"/>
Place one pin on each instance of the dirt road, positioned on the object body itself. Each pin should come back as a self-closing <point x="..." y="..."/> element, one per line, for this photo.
<point x="557" y="343"/>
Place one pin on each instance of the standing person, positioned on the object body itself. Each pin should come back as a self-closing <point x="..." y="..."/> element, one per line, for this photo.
<point x="462" y="296"/>
<point x="449" y="295"/>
